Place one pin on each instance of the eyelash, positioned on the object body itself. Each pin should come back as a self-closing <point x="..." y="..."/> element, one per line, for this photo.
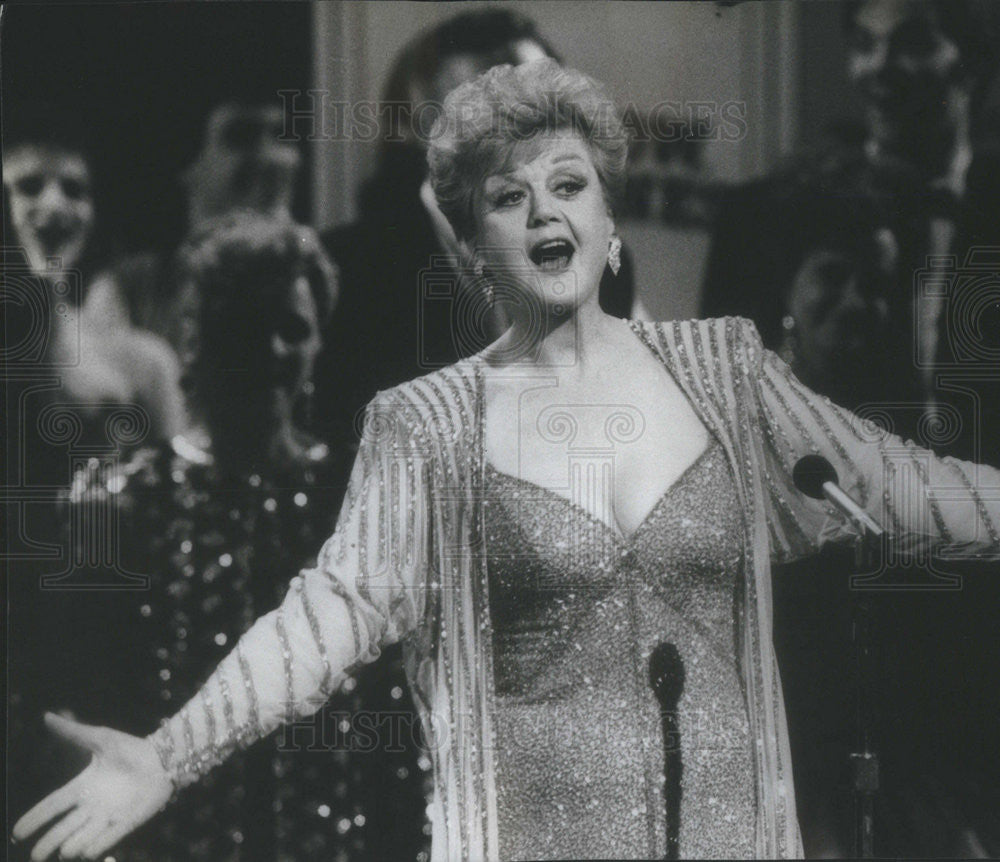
<point x="575" y="186"/>
<point x="568" y="187"/>
<point x="505" y="199"/>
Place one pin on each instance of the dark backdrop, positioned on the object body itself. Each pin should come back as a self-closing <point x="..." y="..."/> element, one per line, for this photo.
<point x="138" y="81"/>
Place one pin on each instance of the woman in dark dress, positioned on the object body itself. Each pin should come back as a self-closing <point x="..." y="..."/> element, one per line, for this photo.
<point x="55" y="249"/>
<point x="216" y="520"/>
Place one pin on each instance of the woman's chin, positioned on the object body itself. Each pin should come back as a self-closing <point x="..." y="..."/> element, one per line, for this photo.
<point x="563" y="289"/>
<point x="550" y="293"/>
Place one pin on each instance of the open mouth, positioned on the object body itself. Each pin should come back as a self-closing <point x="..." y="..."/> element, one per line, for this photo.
<point x="53" y="237"/>
<point x="553" y="255"/>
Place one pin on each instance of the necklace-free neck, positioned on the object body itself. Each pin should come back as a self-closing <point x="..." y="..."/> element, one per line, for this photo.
<point x="573" y="341"/>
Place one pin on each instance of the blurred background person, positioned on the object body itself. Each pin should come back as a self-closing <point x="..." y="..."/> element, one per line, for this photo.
<point x="825" y="255"/>
<point x="64" y="382"/>
<point x="927" y="147"/>
<point x="843" y="269"/>
<point x="54" y="242"/>
<point x="217" y="519"/>
<point x="840" y="273"/>
<point x="431" y="319"/>
<point x="242" y="164"/>
<point x="925" y="71"/>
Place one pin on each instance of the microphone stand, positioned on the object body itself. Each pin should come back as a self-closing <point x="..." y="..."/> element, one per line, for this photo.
<point x="864" y="761"/>
<point x="816" y="477"/>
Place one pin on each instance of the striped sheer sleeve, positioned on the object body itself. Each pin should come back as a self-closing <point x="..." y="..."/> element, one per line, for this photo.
<point x="927" y="504"/>
<point x="366" y="591"/>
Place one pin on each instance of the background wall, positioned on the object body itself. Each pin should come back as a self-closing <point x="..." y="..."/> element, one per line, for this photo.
<point x="646" y="52"/>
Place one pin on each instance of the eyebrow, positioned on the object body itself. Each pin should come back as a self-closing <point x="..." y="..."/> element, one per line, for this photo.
<point x="508" y="176"/>
<point x="566" y="157"/>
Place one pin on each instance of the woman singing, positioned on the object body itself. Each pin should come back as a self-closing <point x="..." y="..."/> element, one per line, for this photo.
<point x="571" y="532"/>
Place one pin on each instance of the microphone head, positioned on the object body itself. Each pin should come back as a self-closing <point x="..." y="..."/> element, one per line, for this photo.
<point x="666" y="674"/>
<point x="811" y="473"/>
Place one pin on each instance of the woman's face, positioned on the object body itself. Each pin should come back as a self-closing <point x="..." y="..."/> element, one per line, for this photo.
<point x="245" y="163"/>
<point x="295" y="338"/>
<point x="51" y="208"/>
<point x="262" y="354"/>
<point x="544" y="226"/>
<point x="838" y="301"/>
<point x="905" y="68"/>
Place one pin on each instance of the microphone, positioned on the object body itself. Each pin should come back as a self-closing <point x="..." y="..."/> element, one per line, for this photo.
<point x="666" y="678"/>
<point x="815" y="477"/>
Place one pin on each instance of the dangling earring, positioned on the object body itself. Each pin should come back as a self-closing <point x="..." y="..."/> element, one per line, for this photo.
<point x="306" y="402"/>
<point x="478" y="270"/>
<point x="615" y="254"/>
<point x="788" y="341"/>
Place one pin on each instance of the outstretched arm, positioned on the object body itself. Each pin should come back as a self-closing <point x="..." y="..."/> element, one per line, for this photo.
<point x="926" y="503"/>
<point x="366" y="590"/>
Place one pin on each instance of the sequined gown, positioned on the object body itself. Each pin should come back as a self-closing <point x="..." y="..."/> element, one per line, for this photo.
<point x="577" y="611"/>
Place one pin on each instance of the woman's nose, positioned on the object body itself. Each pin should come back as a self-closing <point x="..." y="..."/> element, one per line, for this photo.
<point x="543" y="209"/>
<point x="852" y="298"/>
<point x="51" y="198"/>
<point x="280" y="153"/>
<point x="279" y="347"/>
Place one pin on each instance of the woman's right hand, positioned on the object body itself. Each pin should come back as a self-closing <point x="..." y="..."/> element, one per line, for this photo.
<point x="122" y="787"/>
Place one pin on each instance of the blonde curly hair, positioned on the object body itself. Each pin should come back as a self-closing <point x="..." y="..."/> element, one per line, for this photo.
<point x="483" y="121"/>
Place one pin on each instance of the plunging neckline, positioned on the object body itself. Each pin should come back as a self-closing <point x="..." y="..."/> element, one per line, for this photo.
<point x="616" y="528"/>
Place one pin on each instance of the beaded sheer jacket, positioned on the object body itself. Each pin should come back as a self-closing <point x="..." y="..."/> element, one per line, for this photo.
<point x="408" y="561"/>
